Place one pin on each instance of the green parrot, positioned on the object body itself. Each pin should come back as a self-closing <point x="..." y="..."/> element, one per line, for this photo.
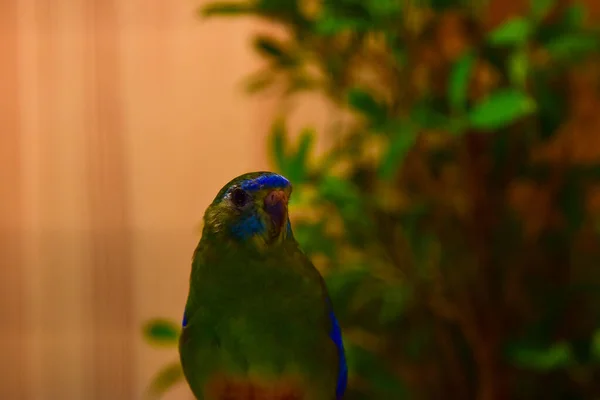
<point x="258" y="322"/>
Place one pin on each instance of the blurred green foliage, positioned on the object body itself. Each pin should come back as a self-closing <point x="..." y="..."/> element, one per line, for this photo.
<point x="161" y="332"/>
<point x="456" y="213"/>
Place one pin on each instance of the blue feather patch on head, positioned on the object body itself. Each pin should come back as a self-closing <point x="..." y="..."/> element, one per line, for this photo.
<point x="248" y="227"/>
<point x="185" y="321"/>
<point x="336" y="336"/>
<point x="267" y="181"/>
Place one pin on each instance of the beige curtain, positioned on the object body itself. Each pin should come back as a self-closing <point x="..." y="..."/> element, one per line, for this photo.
<point x="119" y="121"/>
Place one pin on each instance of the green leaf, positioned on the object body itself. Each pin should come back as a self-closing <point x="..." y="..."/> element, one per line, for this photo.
<point x="575" y="15"/>
<point x="226" y="9"/>
<point x="330" y="25"/>
<point x="299" y="82"/>
<point x="268" y="46"/>
<point x="570" y="46"/>
<point x="385" y="8"/>
<point x="458" y="84"/>
<point x="281" y="12"/>
<point x="518" y="68"/>
<point x="558" y="356"/>
<point x="540" y="8"/>
<point x="279" y="144"/>
<point x="297" y="169"/>
<point x="595" y="348"/>
<point x="365" y="103"/>
<point x="161" y="332"/>
<point x="165" y="379"/>
<point x="400" y="144"/>
<point x="259" y="81"/>
<point x="513" y="32"/>
<point x="305" y="142"/>
<point x="274" y="50"/>
<point x="500" y="109"/>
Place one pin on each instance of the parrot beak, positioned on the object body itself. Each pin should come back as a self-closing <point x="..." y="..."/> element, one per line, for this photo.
<point x="276" y="203"/>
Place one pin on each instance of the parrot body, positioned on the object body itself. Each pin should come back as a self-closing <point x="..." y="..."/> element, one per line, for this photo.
<point x="258" y="323"/>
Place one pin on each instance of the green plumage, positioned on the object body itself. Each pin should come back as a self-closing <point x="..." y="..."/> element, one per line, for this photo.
<point x="257" y="308"/>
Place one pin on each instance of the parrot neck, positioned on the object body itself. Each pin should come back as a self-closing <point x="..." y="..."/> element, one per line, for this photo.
<point x="233" y="265"/>
<point x="258" y="241"/>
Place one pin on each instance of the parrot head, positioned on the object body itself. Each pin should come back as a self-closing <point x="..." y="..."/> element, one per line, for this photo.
<point x="252" y="208"/>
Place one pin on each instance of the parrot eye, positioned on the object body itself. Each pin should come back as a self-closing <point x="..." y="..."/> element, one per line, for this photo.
<point x="239" y="197"/>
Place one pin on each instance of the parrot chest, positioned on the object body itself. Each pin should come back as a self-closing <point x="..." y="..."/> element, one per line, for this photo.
<point x="259" y="344"/>
<point x="258" y="326"/>
<point x="269" y="331"/>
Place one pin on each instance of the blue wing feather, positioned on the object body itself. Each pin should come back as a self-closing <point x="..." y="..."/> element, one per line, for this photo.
<point x="336" y="336"/>
<point x="185" y="321"/>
